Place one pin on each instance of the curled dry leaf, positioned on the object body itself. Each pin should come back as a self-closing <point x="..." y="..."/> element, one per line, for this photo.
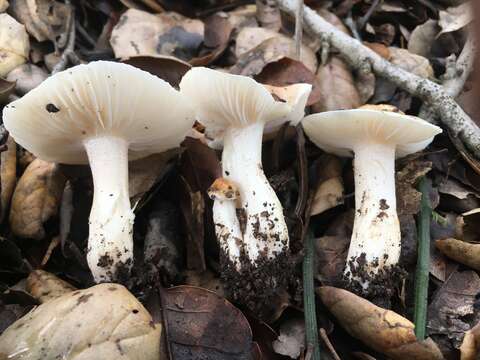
<point x="471" y="344"/>
<point x="139" y="33"/>
<point x="102" y="322"/>
<point x="8" y="176"/>
<point x="383" y="330"/>
<point x="336" y="86"/>
<point x="27" y="77"/>
<point x="329" y="189"/>
<point x="36" y="199"/>
<point x="44" y="19"/>
<point x="45" y="286"/>
<point x="203" y="325"/>
<point x="461" y="251"/>
<point x="14" y="44"/>
<point x="274" y="48"/>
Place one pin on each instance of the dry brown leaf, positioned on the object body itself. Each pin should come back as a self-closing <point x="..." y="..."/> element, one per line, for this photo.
<point x="408" y="198"/>
<point x="461" y="251"/>
<point x="205" y="279"/>
<point x="14" y="44"/>
<point x="336" y="86"/>
<point x="423" y="37"/>
<point x="383" y="330"/>
<point x="44" y="19"/>
<point x="102" y="322"/>
<point x="455" y="18"/>
<point x="471" y="344"/>
<point x="45" y="286"/>
<point x="329" y="190"/>
<point x="36" y="199"/>
<point x="413" y="63"/>
<point x="139" y="33"/>
<point x="8" y="176"/>
<point x="27" y="77"/>
<point x="331" y="258"/>
<point x="3" y="5"/>
<point x="272" y="49"/>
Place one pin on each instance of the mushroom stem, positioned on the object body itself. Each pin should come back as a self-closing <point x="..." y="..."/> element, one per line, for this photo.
<point x="227" y="228"/>
<point x="376" y="240"/>
<point x="265" y="233"/>
<point x="110" y="242"/>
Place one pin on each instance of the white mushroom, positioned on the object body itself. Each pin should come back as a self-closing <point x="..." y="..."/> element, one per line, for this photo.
<point x="103" y="322"/>
<point x="236" y="109"/>
<point x="106" y="114"/>
<point x="377" y="135"/>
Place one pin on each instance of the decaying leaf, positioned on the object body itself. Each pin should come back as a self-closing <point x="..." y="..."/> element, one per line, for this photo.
<point x="36" y="199"/>
<point x="139" y="33"/>
<point x="423" y="37"/>
<point x="331" y="258"/>
<point x="27" y="77"/>
<point x="413" y="63"/>
<point x="272" y="49"/>
<point x="329" y="191"/>
<point x="102" y="322"/>
<point x="383" y="330"/>
<point x="452" y="310"/>
<point x="337" y="87"/>
<point x="45" y="286"/>
<point x="455" y="18"/>
<point x="8" y="176"/>
<point x="408" y="198"/>
<point x="3" y="5"/>
<point x="44" y="19"/>
<point x="291" y="341"/>
<point x="471" y="344"/>
<point x="461" y="251"/>
<point x="14" y="44"/>
<point x="205" y="279"/>
<point x="468" y="226"/>
<point x="203" y="325"/>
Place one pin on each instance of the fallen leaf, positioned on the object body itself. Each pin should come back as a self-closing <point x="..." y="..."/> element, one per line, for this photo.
<point x="101" y="322"/>
<point x="205" y="279"/>
<point x="461" y="251"/>
<point x="455" y="18"/>
<point x="286" y="72"/>
<point x="8" y="176"/>
<point x="27" y="77"/>
<point x="336" y="86"/>
<point x="423" y="37"/>
<point x="471" y="344"/>
<point x="243" y="16"/>
<point x="452" y="310"/>
<point x="6" y="89"/>
<point x="45" y="286"/>
<point x="44" y="19"/>
<point x="468" y="226"/>
<point x="268" y="15"/>
<point x="331" y="258"/>
<point x="408" y="198"/>
<point x="3" y="5"/>
<point x="291" y="341"/>
<point x="383" y="330"/>
<point x="272" y="49"/>
<point x="167" y="68"/>
<point x="36" y="199"/>
<point x="203" y="325"/>
<point x="14" y="44"/>
<point x="139" y="33"/>
<point x="329" y="185"/>
<point x="413" y="63"/>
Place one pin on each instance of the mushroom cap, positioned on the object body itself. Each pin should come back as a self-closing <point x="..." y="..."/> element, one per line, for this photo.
<point x="224" y="100"/>
<point x="101" y="98"/>
<point x="338" y="132"/>
<point x="223" y="189"/>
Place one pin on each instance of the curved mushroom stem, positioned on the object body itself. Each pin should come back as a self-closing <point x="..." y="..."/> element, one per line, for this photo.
<point x="110" y="241"/>
<point x="266" y="233"/>
<point x="376" y="240"/>
<point x="227" y="229"/>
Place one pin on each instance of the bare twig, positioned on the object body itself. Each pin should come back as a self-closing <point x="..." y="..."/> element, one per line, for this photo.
<point x="68" y="53"/>
<point x="298" y="29"/>
<point x="364" y="19"/>
<point x="328" y="344"/>
<point x="362" y="58"/>
<point x="456" y="75"/>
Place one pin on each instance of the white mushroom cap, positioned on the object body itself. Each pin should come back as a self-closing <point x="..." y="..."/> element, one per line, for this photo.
<point x="101" y="98"/>
<point x="338" y="132"/>
<point x="224" y="100"/>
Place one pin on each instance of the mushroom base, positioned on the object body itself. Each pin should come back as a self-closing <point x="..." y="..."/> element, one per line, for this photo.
<point x="259" y="285"/>
<point x="376" y="285"/>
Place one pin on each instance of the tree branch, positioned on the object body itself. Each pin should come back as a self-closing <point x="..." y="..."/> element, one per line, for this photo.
<point x="360" y="57"/>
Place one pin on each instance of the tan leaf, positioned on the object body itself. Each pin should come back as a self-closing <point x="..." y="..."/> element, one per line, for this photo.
<point x="27" y="76"/>
<point x="14" y="44"/>
<point x="423" y="37"/>
<point x="383" y="330"/>
<point x="44" y="19"/>
<point x="336" y="86"/>
<point x="471" y="344"/>
<point x="8" y="176"/>
<point x="139" y="33"/>
<point x="455" y="18"/>
<point x="102" y="322"/>
<point x="45" y="286"/>
<point x="329" y="192"/>
<point x="461" y="251"/>
<point x="36" y="199"/>
<point x="413" y="63"/>
<point x="3" y="5"/>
